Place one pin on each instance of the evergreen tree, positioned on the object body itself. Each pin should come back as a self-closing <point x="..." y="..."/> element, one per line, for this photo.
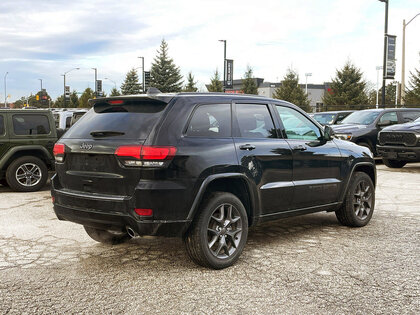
<point x="215" y="84"/>
<point x="74" y="100"/>
<point x="191" y="85"/>
<point x="164" y="74"/>
<point x="115" y="92"/>
<point x="248" y="83"/>
<point x="58" y="103"/>
<point x="86" y="96"/>
<point x="290" y="91"/>
<point x="389" y="97"/>
<point x="412" y="96"/>
<point x="131" y="85"/>
<point x="348" y="89"/>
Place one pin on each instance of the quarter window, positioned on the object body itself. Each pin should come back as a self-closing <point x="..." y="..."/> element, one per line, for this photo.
<point x="296" y="125"/>
<point x="213" y="120"/>
<point x="255" y="121"/>
<point x="30" y="124"/>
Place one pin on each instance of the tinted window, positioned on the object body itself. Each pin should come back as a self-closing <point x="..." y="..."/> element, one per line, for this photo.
<point x="296" y="125"/>
<point x="1" y="125"/>
<point x="391" y="116"/>
<point x="255" y="121"/>
<point x="410" y="116"/>
<point x="68" y="121"/>
<point x="340" y="117"/>
<point x="211" y="121"/>
<point x="134" y="119"/>
<point x="25" y="124"/>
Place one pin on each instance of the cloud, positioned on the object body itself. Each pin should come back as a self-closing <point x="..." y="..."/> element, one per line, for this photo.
<point x="43" y="39"/>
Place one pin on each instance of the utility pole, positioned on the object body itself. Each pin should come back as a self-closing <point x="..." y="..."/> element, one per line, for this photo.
<point x="41" y="83"/>
<point x="385" y="47"/>
<point x="306" y="83"/>
<point x="403" y="60"/>
<point x="224" y="64"/>
<point x="377" y="85"/>
<point x="5" y="90"/>
<point x="64" y="87"/>
<point x="142" y="73"/>
<point x="96" y="82"/>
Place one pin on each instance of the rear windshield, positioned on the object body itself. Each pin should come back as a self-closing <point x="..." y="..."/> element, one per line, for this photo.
<point x="134" y="119"/>
<point x="360" y="118"/>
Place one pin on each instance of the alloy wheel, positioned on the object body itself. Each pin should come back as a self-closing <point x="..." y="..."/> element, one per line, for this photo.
<point x="28" y="174"/>
<point x="362" y="200"/>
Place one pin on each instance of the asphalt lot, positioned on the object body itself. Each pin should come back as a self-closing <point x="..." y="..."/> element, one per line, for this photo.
<point x="302" y="265"/>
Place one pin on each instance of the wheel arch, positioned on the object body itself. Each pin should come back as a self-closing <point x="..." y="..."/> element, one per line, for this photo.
<point x="234" y="183"/>
<point x="365" y="167"/>
<point x="17" y="152"/>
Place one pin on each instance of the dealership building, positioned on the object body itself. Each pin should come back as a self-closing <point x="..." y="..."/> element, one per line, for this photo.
<point x="315" y="91"/>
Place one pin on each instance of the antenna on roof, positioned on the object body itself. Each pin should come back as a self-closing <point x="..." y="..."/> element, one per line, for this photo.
<point x="152" y="90"/>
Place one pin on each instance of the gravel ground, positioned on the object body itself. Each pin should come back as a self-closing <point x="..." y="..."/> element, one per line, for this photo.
<point x="302" y="265"/>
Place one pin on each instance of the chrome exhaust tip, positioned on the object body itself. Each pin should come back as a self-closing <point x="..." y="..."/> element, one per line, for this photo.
<point x="131" y="232"/>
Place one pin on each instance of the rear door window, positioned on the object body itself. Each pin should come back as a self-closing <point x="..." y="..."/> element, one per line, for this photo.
<point x="27" y="124"/>
<point x="254" y="121"/>
<point x="213" y="120"/>
<point x="410" y="116"/>
<point x="390" y="116"/>
<point x="1" y="125"/>
<point x="130" y="119"/>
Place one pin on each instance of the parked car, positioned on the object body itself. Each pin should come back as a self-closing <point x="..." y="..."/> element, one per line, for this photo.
<point x="331" y="118"/>
<point x="205" y="167"/>
<point x="63" y="118"/>
<point x="77" y="115"/>
<point x="362" y="127"/>
<point x="400" y="144"/>
<point x="27" y="139"/>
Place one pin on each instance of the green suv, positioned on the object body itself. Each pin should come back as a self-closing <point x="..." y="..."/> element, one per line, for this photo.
<point x="27" y="140"/>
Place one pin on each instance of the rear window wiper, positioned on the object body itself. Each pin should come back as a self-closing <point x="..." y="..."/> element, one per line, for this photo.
<point x="106" y="133"/>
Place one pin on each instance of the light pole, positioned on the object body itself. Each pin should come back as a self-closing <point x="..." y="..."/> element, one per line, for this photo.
<point x="115" y="84"/>
<point x="64" y="90"/>
<point x="377" y="85"/>
<point x="306" y="84"/>
<point x="385" y="42"/>
<point x="5" y="90"/>
<point x="41" y="83"/>
<point x="142" y="73"/>
<point x="396" y="92"/>
<point x="224" y="64"/>
<point x="403" y="60"/>
<point x="96" y="84"/>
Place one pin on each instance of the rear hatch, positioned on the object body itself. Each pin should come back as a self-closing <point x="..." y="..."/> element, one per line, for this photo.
<point x="89" y="163"/>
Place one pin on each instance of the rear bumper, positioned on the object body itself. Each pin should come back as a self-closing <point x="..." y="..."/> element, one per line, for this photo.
<point x="110" y="213"/>
<point x="401" y="153"/>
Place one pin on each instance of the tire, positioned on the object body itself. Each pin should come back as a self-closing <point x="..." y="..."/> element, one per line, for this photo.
<point x="359" y="203"/>
<point x="219" y="231"/>
<point x="394" y="163"/>
<point x="107" y="237"/>
<point x="27" y="173"/>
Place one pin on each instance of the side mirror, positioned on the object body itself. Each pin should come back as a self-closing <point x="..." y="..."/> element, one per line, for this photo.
<point x="328" y="133"/>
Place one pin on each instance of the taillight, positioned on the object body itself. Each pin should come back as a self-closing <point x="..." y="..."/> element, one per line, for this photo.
<point x="144" y="212"/>
<point x="148" y="156"/>
<point x="58" y="152"/>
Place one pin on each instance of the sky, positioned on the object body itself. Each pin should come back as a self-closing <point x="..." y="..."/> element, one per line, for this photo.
<point x="44" y="39"/>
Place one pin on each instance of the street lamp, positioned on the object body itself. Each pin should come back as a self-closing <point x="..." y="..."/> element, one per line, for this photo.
<point x="224" y="64"/>
<point x="5" y="90"/>
<point x="306" y="84"/>
<point x="96" y="84"/>
<point x="384" y="62"/>
<point x="142" y="73"/>
<point x="41" y="83"/>
<point x="403" y="60"/>
<point x="377" y="85"/>
<point x="64" y="94"/>
<point x="396" y="92"/>
<point x="115" y="84"/>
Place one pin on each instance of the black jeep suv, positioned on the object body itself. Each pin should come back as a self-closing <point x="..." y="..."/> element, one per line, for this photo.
<point x="205" y="167"/>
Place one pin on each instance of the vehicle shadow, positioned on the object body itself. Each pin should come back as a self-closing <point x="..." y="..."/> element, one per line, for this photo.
<point x="157" y="253"/>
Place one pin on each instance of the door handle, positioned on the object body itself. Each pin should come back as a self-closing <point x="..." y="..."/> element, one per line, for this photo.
<point x="299" y="147"/>
<point x="247" y="147"/>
